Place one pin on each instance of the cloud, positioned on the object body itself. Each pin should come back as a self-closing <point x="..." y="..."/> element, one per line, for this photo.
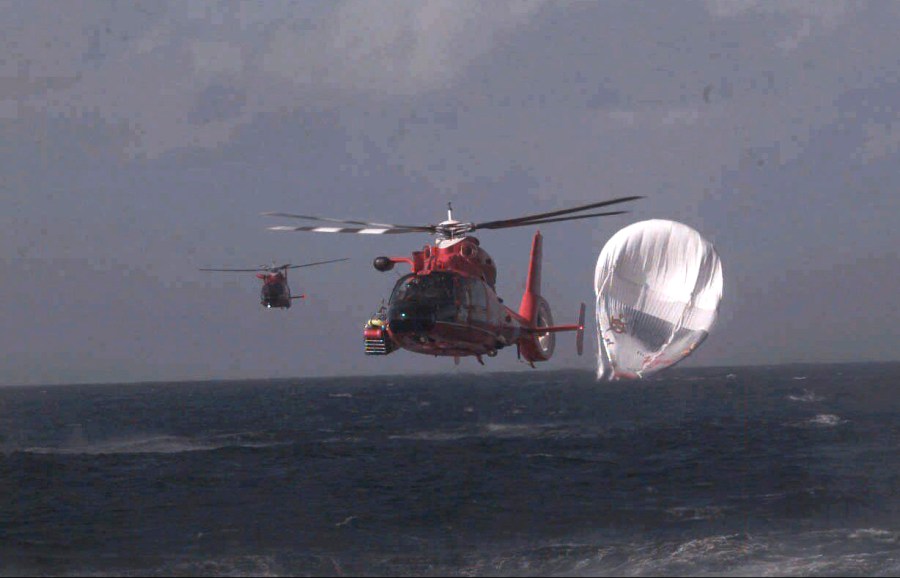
<point x="398" y="48"/>
<point x="692" y="98"/>
<point x="803" y="18"/>
<point x="151" y="66"/>
<point x="212" y="58"/>
<point x="829" y="12"/>
<point x="881" y="140"/>
<point x="194" y="74"/>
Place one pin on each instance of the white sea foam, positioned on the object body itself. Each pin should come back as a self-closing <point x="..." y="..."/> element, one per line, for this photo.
<point x="826" y="420"/>
<point x="887" y="536"/>
<point x="806" y="397"/>
<point x="434" y="436"/>
<point x="231" y="566"/>
<point x="869" y="551"/>
<point x="698" y="513"/>
<point x="162" y="444"/>
<point x="820" y="421"/>
<point x="717" y="548"/>
<point x="496" y="430"/>
<point x="839" y="552"/>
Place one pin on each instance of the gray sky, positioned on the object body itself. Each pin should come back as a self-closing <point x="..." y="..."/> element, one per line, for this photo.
<point x="140" y="141"/>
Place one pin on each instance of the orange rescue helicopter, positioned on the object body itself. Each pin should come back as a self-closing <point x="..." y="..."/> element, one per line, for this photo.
<point x="275" y="290"/>
<point x="447" y="305"/>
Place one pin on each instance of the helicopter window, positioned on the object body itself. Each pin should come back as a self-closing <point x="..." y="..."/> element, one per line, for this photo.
<point x="424" y="298"/>
<point x="400" y="289"/>
<point x="273" y="289"/>
<point x="495" y="311"/>
<point x="476" y="299"/>
<point x="436" y="288"/>
<point x="463" y="299"/>
<point x="479" y="297"/>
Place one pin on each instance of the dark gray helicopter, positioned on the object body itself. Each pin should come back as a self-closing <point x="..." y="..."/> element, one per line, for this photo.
<point x="275" y="290"/>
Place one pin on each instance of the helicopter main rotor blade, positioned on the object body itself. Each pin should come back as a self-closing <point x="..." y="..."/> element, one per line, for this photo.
<point x="358" y="231"/>
<point x="236" y="270"/>
<point x="316" y="263"/>
<point x="426" y="228"/>
<point x="556" y="220"/>
<point x="531" y="219"/>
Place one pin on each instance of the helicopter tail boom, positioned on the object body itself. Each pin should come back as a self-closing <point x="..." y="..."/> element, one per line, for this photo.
<point x="536" y="343"/>
<point x="532" y="296"/>
<point x="539" y="337"/>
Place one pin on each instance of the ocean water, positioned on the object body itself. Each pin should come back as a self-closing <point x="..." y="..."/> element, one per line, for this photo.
<point x="790" y="470"/>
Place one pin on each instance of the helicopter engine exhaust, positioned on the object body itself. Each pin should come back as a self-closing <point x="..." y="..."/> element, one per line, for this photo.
<point x="383" y="264"/>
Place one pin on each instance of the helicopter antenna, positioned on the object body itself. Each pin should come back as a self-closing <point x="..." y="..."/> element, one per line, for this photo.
<point x="449" y="211"/>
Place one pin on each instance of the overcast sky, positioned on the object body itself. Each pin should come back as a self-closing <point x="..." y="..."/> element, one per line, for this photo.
<point x="140" y="141"/>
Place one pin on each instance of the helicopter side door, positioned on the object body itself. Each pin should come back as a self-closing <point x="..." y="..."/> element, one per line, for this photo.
<point x="473" y="300"/>
<point x="463" y="300"/>
<point x="496" y="309"/>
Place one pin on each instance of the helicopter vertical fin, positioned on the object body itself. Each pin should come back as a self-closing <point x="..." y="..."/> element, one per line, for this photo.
<point x="532" y="296"/>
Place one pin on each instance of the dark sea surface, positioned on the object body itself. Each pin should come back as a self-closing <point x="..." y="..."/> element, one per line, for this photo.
<point x="790" y="470"/>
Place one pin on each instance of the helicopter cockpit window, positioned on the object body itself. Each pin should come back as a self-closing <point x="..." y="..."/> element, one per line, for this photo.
<point x="436" y="288"/>
<point x="273" y="291"/>
<point x="430" y="296"/>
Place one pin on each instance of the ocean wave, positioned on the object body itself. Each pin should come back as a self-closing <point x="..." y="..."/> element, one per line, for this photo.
<point x="500" y="431"/>
<point x="818" y="564"/>
<point x="719" y="548"/>
<point x="162" y="444"/>
<point x="839" y="552"/>
<point x="826" y="420"/>
<point x="872" y="552"/>
<point x="819" y="421"/>
<point x="696" y="513"/>
<point x="233" y="565"/>
<point x="587" y="457"/>
<point x="806" y="397"/>
<point x="887" y="536"/>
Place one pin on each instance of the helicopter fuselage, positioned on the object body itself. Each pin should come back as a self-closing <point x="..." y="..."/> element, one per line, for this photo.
<point x="448" y="306"/>
<point x="275" y="291"/>
<point x="450" y="313"/>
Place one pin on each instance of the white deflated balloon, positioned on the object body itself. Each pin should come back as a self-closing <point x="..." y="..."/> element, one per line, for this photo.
<point x="658" y="285"/>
